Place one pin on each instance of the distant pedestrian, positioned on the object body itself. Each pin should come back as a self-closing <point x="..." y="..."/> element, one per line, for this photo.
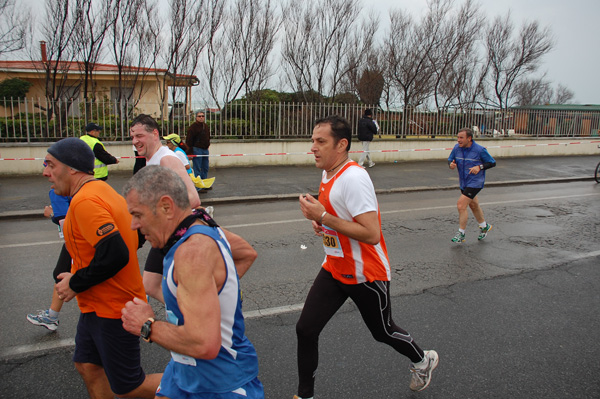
<point x="471" y="160"/>
<point x="367" y="128"/>
<point x="198" y="142"/>
<point x="57" y="211"/>
<point x="356" y="264"/>
<point x="103" y="158"/>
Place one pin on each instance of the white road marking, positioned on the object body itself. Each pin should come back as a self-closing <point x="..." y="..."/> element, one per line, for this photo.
<point x="30" y="244"/>
<point x="15" y="351"/>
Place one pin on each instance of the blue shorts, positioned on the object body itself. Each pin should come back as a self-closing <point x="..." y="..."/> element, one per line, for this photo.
<point x="104" y="342"/>
<point x="168" y="388"/>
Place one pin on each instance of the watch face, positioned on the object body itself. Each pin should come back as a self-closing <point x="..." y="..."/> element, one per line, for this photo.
<point x="146" y="329"/>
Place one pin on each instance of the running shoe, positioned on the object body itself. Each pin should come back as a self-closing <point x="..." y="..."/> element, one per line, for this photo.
<point x="420" y="378"/>
<point x="42" y="318"/>
<point x="459" y="237"/>
<point x="371" y="164"/>
<point x="483" y="231"/>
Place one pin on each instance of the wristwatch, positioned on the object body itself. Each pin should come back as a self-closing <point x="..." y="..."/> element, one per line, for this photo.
<point x="147" y="330"/>
<point x="481" y="167"/>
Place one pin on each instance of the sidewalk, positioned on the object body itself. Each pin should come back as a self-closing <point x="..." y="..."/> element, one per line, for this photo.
<point x="26" y="196"/>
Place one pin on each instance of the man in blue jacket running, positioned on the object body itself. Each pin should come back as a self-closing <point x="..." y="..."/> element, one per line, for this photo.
<point x="472" y="160"/>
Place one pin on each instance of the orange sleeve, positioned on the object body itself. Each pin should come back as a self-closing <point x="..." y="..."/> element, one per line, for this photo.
<point x="94" y="220"/>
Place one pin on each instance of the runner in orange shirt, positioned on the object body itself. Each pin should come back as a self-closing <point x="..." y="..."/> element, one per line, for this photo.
<point x="104" y="274"/>
<point x="356" y="263"/>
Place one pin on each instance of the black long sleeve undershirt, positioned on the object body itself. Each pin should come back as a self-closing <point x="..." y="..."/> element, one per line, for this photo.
<point x="103" y="155"/>
<point x="111" y="256"/>
<point x="488" y="165"/>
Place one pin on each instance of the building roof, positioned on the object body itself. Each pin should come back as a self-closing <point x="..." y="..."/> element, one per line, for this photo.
<point x="99" y="69"/>
<point x="562" y="107"/>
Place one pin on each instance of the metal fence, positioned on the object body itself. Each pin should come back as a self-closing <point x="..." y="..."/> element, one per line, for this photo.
<point x="37" y="120"/>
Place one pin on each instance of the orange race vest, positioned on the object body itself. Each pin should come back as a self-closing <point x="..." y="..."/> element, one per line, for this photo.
<point x="348" y="260"/>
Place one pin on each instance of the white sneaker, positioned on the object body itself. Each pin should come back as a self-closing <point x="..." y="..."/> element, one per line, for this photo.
<point x="371" y="164"/>
<point x="420" y="378"/>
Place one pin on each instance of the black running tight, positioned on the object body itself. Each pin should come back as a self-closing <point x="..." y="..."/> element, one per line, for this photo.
<point x="325" y="298"/>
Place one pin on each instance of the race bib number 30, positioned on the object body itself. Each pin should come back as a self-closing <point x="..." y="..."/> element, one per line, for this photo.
<point x="331" y="243"/>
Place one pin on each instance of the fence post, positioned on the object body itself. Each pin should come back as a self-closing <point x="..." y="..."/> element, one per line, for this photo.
<point x="27" y="120"/>
<point x="279" y="119"/>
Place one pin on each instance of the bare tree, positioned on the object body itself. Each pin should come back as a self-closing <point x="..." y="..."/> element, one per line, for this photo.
<point x="533" y="92"/>
<point x="367" y="81"/>
<point x="58" y="30"/>
<point x="95" y="20"/>
<point x="370" y="86"/>
<point x="132" y="41"/>
<point x="453" y="63"/>
<point x="14" y="25"/>
<point x="297" y="52"/>
<point x="539" y="91"/>
<point x="466" y="80"/>
<point x="563" y="95"/>
<point x="191" y="23"/>
<point x="350" y="56"/>
<point x="324" y="43"/>
<point x="409" y="47"/>
<point x="238" y="55"/>
<point x="513" y="57"/>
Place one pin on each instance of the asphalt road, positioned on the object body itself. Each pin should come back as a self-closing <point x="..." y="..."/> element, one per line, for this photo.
<point x="515" y="315"/>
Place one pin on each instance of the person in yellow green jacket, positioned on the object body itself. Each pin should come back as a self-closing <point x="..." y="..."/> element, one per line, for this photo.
<point x="103" y="158"/>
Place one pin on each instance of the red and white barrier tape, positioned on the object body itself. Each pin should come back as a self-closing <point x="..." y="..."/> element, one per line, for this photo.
<point x="351" y="152"/>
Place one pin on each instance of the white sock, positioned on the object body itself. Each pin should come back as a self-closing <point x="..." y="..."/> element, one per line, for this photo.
<point x="482" y="225"/>
<point x="462" y="230"/>
<point x="53" y="313"/>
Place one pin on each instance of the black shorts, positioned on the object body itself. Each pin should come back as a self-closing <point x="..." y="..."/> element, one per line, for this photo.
<point x="104" y="342"/>
<point x="470" y="192"/>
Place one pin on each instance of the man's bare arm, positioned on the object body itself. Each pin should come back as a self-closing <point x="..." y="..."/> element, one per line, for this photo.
<point x="243" y="253"/>
<point x="197" y="298"/>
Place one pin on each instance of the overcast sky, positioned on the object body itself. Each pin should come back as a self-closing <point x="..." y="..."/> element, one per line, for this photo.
<point x="575" y="60"/>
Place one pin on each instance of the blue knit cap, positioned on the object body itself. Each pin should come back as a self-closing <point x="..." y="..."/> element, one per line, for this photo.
<point x="74" y="153"/>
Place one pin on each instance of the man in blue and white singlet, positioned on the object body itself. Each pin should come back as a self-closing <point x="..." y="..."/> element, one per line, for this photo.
<point x="210" y="355"/>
